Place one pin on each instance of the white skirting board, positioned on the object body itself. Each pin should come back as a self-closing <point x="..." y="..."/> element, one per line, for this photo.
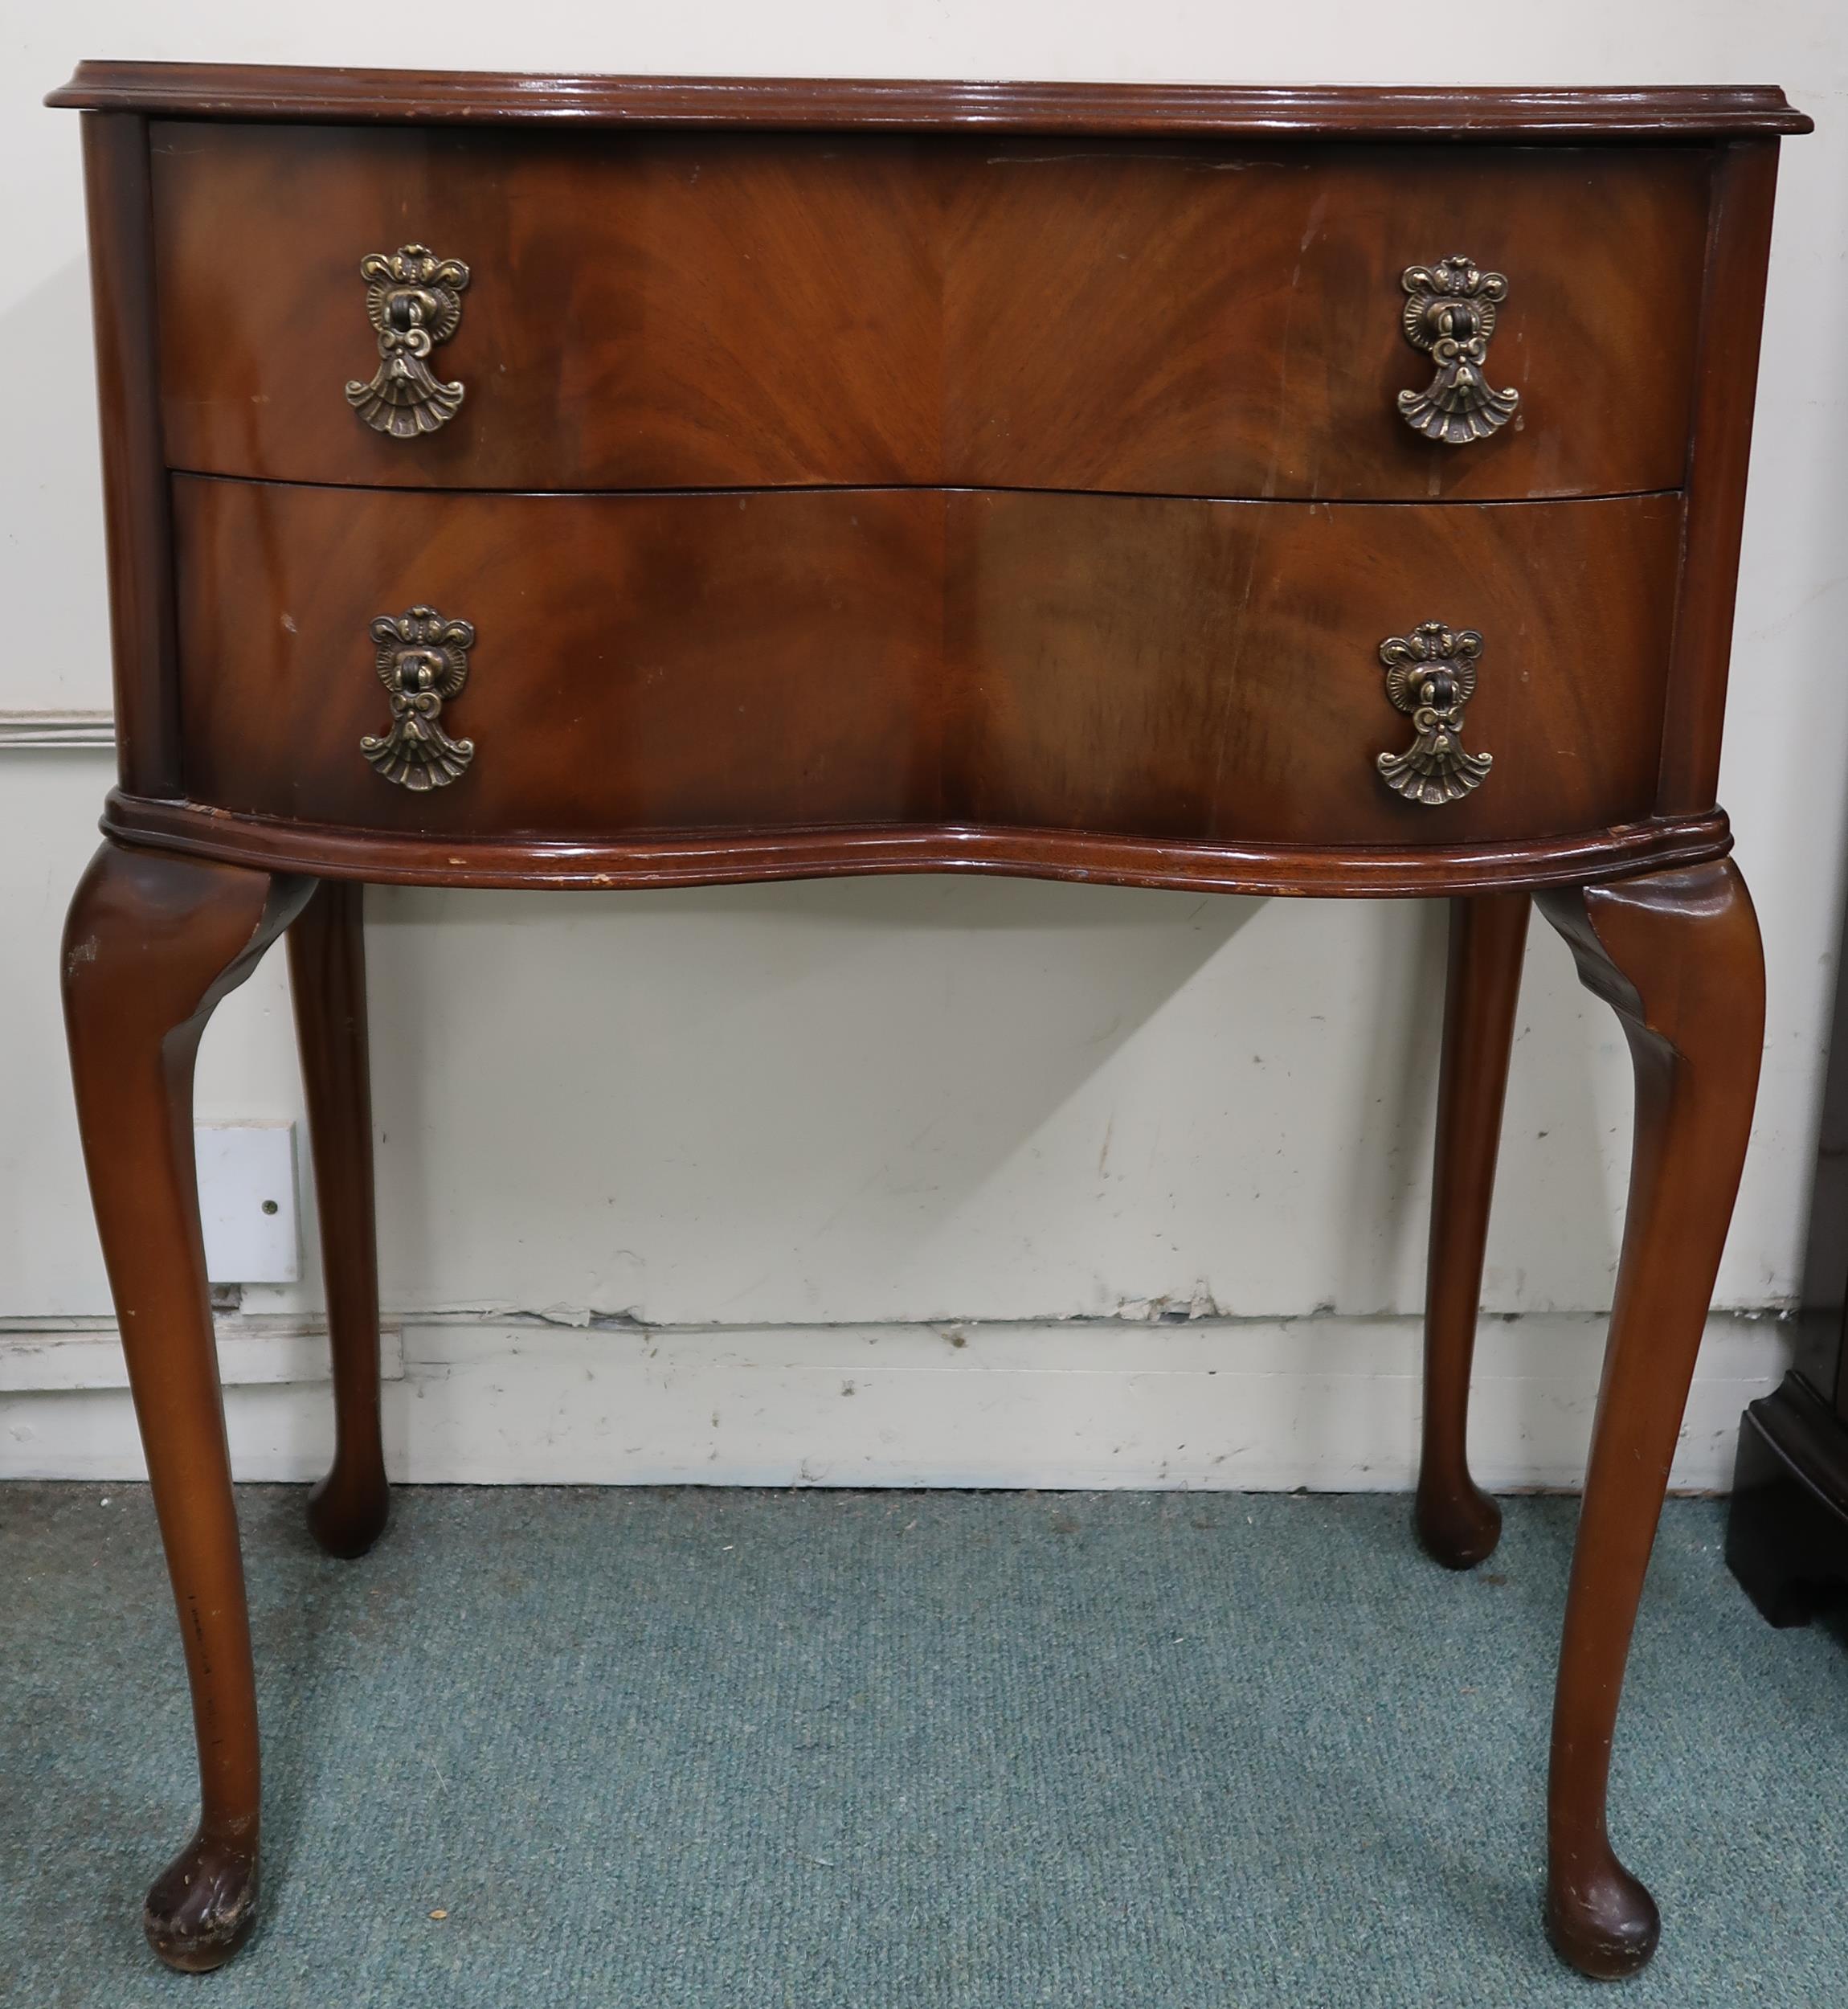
<point x="1324" y="1402"/>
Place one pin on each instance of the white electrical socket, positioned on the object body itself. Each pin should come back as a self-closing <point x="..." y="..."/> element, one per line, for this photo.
<point x="248" y="1201"/>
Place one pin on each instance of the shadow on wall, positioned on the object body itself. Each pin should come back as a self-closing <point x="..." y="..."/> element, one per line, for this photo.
<point x="1388" y="1172"/>
<point x="945" y="1097"/>
<point x="52" y="554"/>
<point x="792" y="1071"/>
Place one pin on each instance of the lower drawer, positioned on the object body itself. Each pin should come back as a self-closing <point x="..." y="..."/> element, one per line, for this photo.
<point x="764" y="660"/>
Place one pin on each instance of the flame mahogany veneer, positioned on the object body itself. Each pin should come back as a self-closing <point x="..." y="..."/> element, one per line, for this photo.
<point x="722" y="310"/>
<point x="873" y="477"/>
<point x="1143" y="668"/>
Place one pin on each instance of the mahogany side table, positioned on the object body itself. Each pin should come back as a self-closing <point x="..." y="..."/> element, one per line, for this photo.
<point x="627" y="482"/>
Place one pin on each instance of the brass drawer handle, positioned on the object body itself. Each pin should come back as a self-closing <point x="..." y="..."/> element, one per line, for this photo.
<point x="1450" y="314"/>
<point x="422" y="662"/>
<point x="414" y="300"/>
<point x="1430" y="676"/>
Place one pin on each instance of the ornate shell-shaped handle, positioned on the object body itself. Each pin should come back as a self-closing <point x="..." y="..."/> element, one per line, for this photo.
<point x="1430" y="676"/>
<point x="422" y="662"/>
<point x="1450" y="314"/>
<point x="414" y="300"/>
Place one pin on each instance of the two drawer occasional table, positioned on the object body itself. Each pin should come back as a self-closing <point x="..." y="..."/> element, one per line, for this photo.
<point x="595" y="482"/>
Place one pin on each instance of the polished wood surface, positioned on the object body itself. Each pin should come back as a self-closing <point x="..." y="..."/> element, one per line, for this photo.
<point x="682" y="311"/>
<point x="649" y="663"/>
<point x="1212" y="669"/>
<point x="1211" y="322"/>
<point x="1720" y="451"/>
<point x="1193" y="671"/>
<point x="297" y="95"/>
<point x="151" y="944"/>
<point x="135" y="505"/>
<point x="333" y="851"/>
<point x="346" y="1510"/>
<point x="1677" y="957"/>
<point x="1437" y="862"/>
<point x="1457" y="1522"/>
<point x="996" y="503"/>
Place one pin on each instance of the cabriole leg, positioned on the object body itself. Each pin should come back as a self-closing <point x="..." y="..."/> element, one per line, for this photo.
<point x="1676" y="955"/>
<point x="1458" y="1523"/>
<point x="152" y="943"/>
<point x="327" y="975"/>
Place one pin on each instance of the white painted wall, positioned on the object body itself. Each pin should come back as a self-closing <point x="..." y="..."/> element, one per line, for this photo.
<point x="814" y="1128"/>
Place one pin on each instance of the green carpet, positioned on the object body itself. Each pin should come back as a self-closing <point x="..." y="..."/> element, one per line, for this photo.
<point x="692" y="1749"/>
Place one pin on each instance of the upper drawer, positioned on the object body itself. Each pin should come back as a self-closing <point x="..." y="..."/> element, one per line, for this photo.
<point x="699" y="310"/>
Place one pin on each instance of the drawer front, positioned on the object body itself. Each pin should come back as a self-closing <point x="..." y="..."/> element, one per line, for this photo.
<point x="1213" y="669"/>
<point x="708" y="310"/>
<point x="1140" y="667"/>
<point x="639" y="662"/>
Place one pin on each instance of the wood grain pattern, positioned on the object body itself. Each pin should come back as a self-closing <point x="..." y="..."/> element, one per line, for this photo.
<point x="645" y="662"/>
<point x="1154" y="669"/>
<point x="1720" y="453"/>
<point x="1211" y="669"/>
<point x="678" y="311"/>
<point x="299" y="94"/>
<point x="116" y="185"/>
<point x="1204" y="322"/>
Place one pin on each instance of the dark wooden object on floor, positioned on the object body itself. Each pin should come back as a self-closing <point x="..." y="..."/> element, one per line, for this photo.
<point x="1365" y="521"/>
<point x="1787" y="1526"/>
